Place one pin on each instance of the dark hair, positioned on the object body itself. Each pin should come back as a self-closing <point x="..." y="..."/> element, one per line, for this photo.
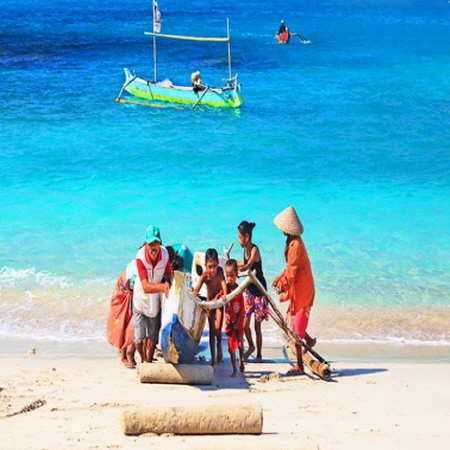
<point x="246" y="228"/>
<point x="232" y="263"/>
<point x="171" y="252"/>
<point x="211" y="253"/>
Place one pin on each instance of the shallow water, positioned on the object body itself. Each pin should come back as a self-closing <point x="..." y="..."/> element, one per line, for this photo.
<point x="352" y="130"/>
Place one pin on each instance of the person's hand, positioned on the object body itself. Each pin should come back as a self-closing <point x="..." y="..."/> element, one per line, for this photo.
<point x="275" y="282"/>
<point x="166" y="289"/>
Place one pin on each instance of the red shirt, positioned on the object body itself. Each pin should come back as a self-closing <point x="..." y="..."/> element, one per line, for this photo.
<point x="235" y="308"/>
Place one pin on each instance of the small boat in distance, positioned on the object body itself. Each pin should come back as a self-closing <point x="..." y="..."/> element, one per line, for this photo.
<point x="283" y="35"/>
<point x="163" y="92"/>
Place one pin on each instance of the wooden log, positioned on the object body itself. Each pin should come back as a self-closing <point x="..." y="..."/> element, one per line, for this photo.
<point x="219" y="418"/>
<point x="175" y="373"/>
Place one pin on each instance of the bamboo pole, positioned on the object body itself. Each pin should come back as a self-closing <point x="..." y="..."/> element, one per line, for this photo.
<point x="227" y="298"/>
<point x="200" y="99"/>
<point x="281" y="319"/>
<point x="229" y="48"/>
<point x="154" y="105"/>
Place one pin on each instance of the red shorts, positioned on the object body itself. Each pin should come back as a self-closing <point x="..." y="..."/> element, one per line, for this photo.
<point x="234" y="337"/>
<point x="299" y="321"/>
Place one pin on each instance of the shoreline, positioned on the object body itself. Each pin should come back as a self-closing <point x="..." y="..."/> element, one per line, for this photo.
<point x="348" y="351"/>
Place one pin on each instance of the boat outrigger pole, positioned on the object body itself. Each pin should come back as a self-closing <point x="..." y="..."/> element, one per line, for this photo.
<point x="190" y="38"/>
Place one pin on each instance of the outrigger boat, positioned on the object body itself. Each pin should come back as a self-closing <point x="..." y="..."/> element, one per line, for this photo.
<point x="228" y="96"/>
<point x="183" y="318"/>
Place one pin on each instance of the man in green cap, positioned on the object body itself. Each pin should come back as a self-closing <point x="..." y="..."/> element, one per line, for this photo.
<point x="154" y="275"/>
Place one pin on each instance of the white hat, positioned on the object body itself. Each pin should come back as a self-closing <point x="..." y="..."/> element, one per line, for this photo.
<point x="288" y="222"/>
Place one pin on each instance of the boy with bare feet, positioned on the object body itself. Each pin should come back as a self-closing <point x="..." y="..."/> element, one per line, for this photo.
<point x="214" y="279"/>
<point x="234" y="318"/>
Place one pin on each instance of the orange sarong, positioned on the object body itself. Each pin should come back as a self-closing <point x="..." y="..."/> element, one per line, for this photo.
<point x="120" y="327"/>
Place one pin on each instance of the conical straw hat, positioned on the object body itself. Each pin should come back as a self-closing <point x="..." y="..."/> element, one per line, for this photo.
<point x="288" y="222"/>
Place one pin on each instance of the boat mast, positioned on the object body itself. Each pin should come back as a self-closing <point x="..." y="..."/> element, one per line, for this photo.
<point x="229" y="48"/>
<point x="155" y="73"/>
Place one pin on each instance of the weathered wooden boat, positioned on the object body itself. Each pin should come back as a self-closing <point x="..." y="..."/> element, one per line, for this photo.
<point x="183" y="314"/>
<point x="164" y="92"/>
<point x="182" y="322"/>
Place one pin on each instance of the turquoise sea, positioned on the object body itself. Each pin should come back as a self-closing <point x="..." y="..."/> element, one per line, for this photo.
<point x="352" y="130"/>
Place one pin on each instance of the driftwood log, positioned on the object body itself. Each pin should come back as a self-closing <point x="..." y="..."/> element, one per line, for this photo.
<point x="211" y="419"/>
<point x="175" y="374"/>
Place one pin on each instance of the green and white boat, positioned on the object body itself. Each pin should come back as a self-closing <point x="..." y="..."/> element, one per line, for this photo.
<point x="164" y="92"/>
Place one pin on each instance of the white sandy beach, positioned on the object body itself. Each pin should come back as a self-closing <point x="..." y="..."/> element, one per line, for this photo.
<point x="364" y="406"/>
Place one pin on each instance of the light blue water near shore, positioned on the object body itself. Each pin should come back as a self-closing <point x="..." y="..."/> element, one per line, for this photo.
<point x="353" y="130"/>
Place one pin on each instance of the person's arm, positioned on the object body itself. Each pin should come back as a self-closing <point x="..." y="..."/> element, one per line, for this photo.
<point x="285" y="282"/>
<point x="254" y="255"/>
<point x="199" y="284"/>
<point x="148" y="286"/>
<point x="168" y="273"/>
<point x="224" y="289"/>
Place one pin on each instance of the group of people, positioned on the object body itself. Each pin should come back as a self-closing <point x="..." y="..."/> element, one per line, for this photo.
<point x="134" y="321"/>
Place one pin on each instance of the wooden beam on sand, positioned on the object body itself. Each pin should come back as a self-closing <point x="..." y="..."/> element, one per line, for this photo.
<point x="221" y="418"/>
<point x="314" y="361"/>
<point x="175" y="374"/>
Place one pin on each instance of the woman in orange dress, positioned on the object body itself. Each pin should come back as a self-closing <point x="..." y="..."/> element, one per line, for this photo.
<point x="296" y="283"/>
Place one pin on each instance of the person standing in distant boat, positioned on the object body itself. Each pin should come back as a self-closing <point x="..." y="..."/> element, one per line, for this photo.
<point x="154" y="278"/>
<point x="196" y="82"/>
<point x="282" y="28"/>
<point x="214" y="279"/>
<point x="296" y="282"/>
<point x="255" y="302"/>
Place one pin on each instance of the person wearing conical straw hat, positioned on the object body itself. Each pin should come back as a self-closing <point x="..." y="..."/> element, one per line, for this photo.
<point x="296" y="283"/>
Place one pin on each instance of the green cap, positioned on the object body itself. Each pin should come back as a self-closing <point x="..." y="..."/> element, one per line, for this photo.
<point x="152" y="234"/>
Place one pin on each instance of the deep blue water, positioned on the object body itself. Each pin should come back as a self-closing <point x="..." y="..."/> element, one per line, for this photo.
<point x="352" y="130"/>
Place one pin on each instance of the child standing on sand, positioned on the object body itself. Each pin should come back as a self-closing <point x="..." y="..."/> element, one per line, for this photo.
<point x="214" y="279"/>
<point x="255" y="302"/>
<point x="234" y="318"/>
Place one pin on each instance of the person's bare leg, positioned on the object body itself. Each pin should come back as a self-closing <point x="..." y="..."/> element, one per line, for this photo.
<point x="233" y="363"/>
<point x="130" y="354"/>
<point x="218" y="325"/>
<point x="241" y="356"/>
<point x="212" y="344"/>
<point x="258" y="340"/>
<point x="219" y="346"/>
<point x="248" y="336"/>
<point x="123" y="354"/>
<point x="298" y="369"/>
<point x="311" y="342"/>
<point x="140" y="349"/>
<point x="150" y="350"/>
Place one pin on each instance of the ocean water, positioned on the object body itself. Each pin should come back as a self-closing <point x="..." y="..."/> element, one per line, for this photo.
<point x="352" y="130"/>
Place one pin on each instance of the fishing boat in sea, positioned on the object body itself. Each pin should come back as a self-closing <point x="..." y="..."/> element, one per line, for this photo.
<point x="164" y="92"/>
<point x="283" y="35"/>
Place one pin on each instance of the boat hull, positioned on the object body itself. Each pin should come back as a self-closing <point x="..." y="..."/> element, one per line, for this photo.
<point x="226" y="97"/>
<point x="182" y="322"/>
